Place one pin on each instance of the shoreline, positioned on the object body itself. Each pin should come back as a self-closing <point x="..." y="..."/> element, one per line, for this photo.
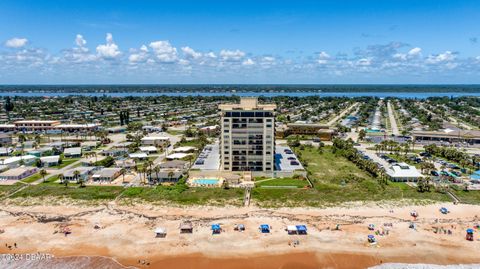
<point x="126" y="235"/>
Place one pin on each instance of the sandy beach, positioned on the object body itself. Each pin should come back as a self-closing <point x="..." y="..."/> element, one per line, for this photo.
<point x="126" y="235"/>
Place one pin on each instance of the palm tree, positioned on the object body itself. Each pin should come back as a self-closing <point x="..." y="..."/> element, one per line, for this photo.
<point x="156" y="169"/>
<point x="43" y="173"/>
<point x="76" y="175"/>
<point x="62" y="179"/>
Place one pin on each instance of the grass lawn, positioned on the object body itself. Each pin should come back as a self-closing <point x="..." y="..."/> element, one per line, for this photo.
<point x="337" y="180"/>
<point x="7" y="189"/>
<point x="469" y="197"/>
<point x="65" y="162"/>
<point x="328" y="167"/>
<point x="51" y="180"/>
<point x="57" y="190"/>
<point x="190" y="143"/>
<point x="283" y="182"/>
<point x="33" y="178"/>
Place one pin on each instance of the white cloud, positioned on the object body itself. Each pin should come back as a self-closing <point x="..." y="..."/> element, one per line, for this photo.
<point x="415" y="51"/>
<point x="191" y="53"/>
<point x="447" y="56"/>
<point x="232" y="55"/>
<point x="211" y="55"/>
<point x="364" y="62"/>
<point x="138" y="56"/>
<point x="164" y="51"/>
<point x="80" y="41"/>
<point x="323" y="57"/>
<point x="268" y="59"/>
<point x="109" y="50"/>
<point x="78" y="54"/>
<point x="248" y="62"/>
<point x="16" y="42"/>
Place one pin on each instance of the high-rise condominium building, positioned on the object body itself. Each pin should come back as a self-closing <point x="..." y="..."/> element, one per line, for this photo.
<point x="248" y="136"/>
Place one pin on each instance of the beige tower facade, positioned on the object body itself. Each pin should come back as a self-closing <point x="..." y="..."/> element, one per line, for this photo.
<point x="248" y="136"/>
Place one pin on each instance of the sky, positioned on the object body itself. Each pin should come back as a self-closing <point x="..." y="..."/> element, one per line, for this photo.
<point x="247" y="42"/>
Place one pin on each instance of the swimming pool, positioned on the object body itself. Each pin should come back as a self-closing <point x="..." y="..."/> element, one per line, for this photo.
<point x="206" y="181"/>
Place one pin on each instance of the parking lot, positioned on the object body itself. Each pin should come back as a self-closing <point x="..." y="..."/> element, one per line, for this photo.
<point x="285" y="159"/>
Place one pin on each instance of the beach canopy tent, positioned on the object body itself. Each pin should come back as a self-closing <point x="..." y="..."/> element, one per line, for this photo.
<point x="301" y="229"/>
<point x="240" y="227"/>
<point x="265" y="228"/>
<point x="291" y="229"/>
<point x="371" y="238"/>
<point x="371" y="227"/>
<point x="216" y="229"/>
<point x="186" y="227"/>
<point x="469" y="235"/>
<point x="160" y="232"/>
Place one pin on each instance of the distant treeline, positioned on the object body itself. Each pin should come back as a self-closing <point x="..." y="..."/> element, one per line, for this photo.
<point x="164" y="88"/>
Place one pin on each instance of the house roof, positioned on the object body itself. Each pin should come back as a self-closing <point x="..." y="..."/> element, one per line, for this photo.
<point x="177" y="156"/>
<point x="107" y="172"/>
<point x="17" y="171"/>
<point x="81" y="169"/>
<point x="173" y="164"/>
<point x="148" y="148"/>
<point x="76" y="151"/>
<point x="54" y="158"/>
<point x="403" y="170"/>
<point x="184" y="149"/>
<point x="139" y="155"/>
<point x="18" y="158"/>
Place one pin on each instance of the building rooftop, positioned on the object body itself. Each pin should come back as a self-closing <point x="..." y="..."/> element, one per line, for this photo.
<point x="403" y="170"/>
<point x="16" y="171"/>
<point x="248" y="103"/>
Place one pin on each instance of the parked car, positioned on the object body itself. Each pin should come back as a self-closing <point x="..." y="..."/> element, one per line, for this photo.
<point x="434" y="173"/>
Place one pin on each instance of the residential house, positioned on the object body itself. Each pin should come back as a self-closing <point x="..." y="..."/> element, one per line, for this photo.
<point x="73" y="152"/>
<point x="158" y="141"/>
<point x="48" y="161"/>
<point x="165" y="176"/>
<point x="107" y="174"/>
<point x="84" y="173"/>
<point x="403" y="172"/>
<point x="16" y="161"/>
<point x="18" y="173"/>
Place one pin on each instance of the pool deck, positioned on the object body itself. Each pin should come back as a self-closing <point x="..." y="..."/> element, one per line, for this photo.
<point x="192" y="182"/>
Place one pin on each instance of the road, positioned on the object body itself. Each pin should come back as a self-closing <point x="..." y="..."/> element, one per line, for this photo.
<point x="343" y="113"/>
<point x="393" y="122"/>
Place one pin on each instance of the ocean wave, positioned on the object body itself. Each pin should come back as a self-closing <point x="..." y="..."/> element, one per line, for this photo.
<point x="74" y="262"/>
